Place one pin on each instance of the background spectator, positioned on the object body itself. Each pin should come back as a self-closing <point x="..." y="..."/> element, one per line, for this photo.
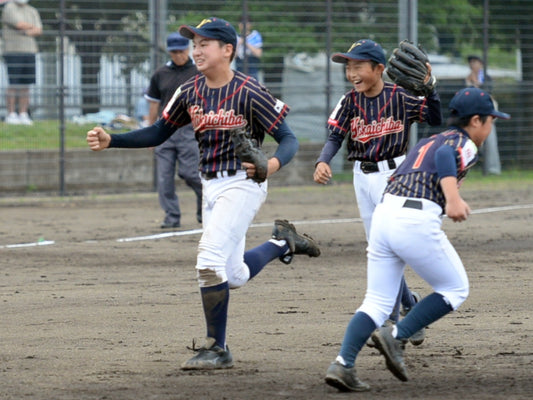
<point x="21" y="25"/>
<point x="480" y="79"/>
<point x="253" y="49"/>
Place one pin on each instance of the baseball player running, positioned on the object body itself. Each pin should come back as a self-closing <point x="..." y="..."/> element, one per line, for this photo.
<point x="406" y="229"/>
<point x="217" y="101"/>
<point x="375" y="116"/>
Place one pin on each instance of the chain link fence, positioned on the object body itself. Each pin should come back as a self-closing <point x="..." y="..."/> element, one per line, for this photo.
<point x="96" y="57"/>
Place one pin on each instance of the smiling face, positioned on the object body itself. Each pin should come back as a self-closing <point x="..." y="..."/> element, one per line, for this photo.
<point x="211" y="55"/>
<point x="365" y="78"/>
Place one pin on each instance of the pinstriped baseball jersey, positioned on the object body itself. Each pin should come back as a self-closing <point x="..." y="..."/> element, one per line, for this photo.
<point x="243" y="102"/>
<point x="378" y="127"/>
<point x="417" y="175"/>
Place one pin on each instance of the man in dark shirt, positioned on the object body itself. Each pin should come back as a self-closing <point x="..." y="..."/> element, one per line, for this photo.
<point x="181" y="147"/>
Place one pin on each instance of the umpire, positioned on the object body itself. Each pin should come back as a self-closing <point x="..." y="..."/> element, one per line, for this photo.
<point x="181" y="147"/>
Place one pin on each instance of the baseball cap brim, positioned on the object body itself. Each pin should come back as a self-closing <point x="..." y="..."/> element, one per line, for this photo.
<point x="343" y="58"/>
<point x="189" y="32"/>
<point x="171" y="48"/>
<point x="499" y="114"/>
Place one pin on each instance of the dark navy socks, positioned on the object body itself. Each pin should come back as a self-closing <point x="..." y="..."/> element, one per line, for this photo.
<point x="261" y="255"/>
<point x="357" y="333"/>
<point x="430" y="309"/>
<point x="215" y="301"/>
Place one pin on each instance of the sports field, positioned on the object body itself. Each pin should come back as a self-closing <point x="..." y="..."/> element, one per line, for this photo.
<point x="97" y="304"/>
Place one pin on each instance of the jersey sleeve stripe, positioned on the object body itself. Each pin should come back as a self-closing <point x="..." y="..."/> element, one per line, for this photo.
<point x="280" y="116"/>
<point x="422" y="106"/>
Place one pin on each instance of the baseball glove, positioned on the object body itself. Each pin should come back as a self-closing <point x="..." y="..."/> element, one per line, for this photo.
<point x="407" y="68"/>
<point x="248" y="151"/>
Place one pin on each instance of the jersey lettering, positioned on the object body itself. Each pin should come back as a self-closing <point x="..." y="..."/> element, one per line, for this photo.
<point x="362" y="132"/>
<point x="220" y="120"/>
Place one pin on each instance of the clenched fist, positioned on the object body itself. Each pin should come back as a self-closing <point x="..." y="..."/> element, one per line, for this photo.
<point x="98" y="139"/>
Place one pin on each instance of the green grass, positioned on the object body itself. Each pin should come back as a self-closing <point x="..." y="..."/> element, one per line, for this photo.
<point x="508" y="179"/>
<point x="475" y="179"/>
<point x="42" y="135"/>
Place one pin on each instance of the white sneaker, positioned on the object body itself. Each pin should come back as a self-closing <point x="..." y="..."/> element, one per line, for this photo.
<point x="13" y="119"/>
<point x="24" y="119"/>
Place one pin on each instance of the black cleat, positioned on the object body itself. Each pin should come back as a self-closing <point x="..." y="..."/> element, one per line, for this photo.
<point x="210" y="356"/>
<point x="344" y="378"/>
<point x="298" y="244"/>
<point x="392" y="350"/>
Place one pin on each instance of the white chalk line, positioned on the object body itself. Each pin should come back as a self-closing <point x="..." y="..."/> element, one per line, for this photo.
<point x="39" y="243"/>
<point x="258" y="225"/>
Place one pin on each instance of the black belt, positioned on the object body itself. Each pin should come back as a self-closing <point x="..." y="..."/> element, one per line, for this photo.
<point x="416" y="204"/>
<point x="370" y="166"/>
<point x="218" y="174"/>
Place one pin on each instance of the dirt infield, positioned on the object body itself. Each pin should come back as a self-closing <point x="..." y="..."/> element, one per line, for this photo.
<point x="92" y="317"/>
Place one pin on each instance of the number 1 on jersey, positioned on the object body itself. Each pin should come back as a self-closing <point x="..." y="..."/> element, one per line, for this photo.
<point x="421" y="154"/>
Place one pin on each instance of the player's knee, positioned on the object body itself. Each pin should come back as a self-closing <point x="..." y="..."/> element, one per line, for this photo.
<point x="463" y="295"/>
<point x="457" y="296"/>
<point x="210" y="277"/>
<point x="238" y="278"/>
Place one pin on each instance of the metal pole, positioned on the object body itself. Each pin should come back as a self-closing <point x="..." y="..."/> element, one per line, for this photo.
<point x="157" y="32"/>
<point x="157" y="49"/>
<point x="408" y="29"/>
<point x="243" y="34"/>
<point x="485" y="36"/>
<point x="402" y="20"/>
<point x="61" y="95"/>
<point x="328" y="63"/>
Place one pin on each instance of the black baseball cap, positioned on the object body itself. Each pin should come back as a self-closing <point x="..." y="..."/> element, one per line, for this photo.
<point x="177" y="42"/>
<point x="474" y="101"/>
<point x="212" y="28"/>
<point x="363" y="50"/>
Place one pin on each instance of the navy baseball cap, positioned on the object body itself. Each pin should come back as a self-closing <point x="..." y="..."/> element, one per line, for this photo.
<point x="212" y="28"/>
<point x="363" y="50"/>
<point x="177" y="42"/>
<point x="474" y="101"/>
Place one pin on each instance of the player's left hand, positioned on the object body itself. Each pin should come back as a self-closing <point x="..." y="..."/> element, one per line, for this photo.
<point x="409" y="67"/>
<point x="428" y="76"/>
<point x="273" y="166"/>
<point x="249" y="168"/>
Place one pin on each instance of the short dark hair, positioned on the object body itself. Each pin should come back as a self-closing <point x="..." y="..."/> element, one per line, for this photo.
<point x="222" y="44"/>
<point x="461" y="122"/>
<point x="473" y="57"/>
